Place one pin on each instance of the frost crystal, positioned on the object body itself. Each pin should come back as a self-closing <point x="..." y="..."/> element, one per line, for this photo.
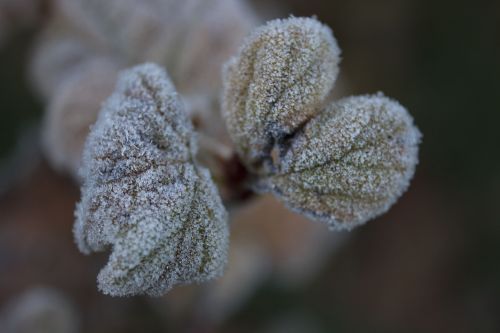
<point x="348" y="164"/>
<point x="277" y="82"/>
<point x="145" y="196"/>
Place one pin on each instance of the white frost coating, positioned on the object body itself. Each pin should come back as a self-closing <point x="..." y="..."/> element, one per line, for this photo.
<point x="342" y="164"/>
<point x="277" y="81"/>
<point x="350" y="163"/>
<point x="145" y="196"/>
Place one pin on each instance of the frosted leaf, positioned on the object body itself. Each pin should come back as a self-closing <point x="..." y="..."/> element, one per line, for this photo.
<point x="74" y="109"/>
<point x="145" y="196"/>
<point x="191" y="38"/>
<point x="278" y="81"/>
<point x="350" y="163"/>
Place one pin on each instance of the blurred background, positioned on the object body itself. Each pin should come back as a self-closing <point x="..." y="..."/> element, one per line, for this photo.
<point x="431" y="264"/>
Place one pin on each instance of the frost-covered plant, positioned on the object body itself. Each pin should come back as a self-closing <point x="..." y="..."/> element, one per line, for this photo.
<point x="145" y="195"/>
<point x="349" y="164"/>
<point x="190" y="38"/>
<point x="343" y="163"/>
<point x="277" y="82"/>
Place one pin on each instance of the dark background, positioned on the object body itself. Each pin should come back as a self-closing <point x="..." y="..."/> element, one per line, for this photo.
<point x="432" y="264"/>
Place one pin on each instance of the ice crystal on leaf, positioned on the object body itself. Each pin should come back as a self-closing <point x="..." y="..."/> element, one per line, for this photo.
<point x="348" y="164"/>
<point x="145" y="196"/>
<point x="278" y="81"/>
